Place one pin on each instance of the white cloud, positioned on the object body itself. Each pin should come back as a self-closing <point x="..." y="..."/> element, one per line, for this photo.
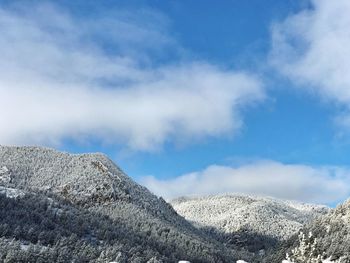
<point x="312" y="48"/>
<point x="269" y="178"/>
<point x="57" y="81"/>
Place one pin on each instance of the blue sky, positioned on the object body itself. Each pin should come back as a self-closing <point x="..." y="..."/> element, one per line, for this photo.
<point x="188" y="98"/>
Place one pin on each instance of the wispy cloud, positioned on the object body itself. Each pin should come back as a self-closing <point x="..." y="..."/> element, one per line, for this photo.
<point x="67" y="77"/>
<point x="269" y="178"/>
<point x="311" y="48"/>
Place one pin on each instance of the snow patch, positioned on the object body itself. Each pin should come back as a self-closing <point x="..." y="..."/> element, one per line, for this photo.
<point x="11" y="192"/>
<point x="5" y="175"/>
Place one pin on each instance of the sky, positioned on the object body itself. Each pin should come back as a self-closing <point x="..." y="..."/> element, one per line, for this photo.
<point x="187" y="98"/>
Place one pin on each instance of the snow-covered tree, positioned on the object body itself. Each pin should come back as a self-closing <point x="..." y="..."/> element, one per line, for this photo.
<point x="306" y="252"/>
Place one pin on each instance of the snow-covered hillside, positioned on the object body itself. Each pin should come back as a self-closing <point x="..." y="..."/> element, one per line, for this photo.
<point x="326" y="239"/>
<point x="235" y="213"/>
<point x="84" y="208"/>
<point x="61" y="207"/>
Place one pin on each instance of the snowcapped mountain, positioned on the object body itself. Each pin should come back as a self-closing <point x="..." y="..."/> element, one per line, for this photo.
<point x="257" y="223"/>
<point x="61" y="207"/>
<point x="233" y="213"/>
<point x="68" y="207"/>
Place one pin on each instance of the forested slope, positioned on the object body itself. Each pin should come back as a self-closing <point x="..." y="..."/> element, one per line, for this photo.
<point x="58" y="207"/>
<point x="257" y="224"/>
<point x="326" y="238"/>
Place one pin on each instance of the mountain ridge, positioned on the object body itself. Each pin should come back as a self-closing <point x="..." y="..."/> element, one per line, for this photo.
<point x="62" y="207"/>
<point x="224" y="206"/>
<point x="113" y="204"/>
<point x="256" y="223"/>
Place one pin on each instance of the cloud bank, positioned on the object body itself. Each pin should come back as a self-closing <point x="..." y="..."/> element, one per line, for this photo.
<point x="269" y="178"/>
<point x="63" y="77"/>
<point x="312" y="48"/>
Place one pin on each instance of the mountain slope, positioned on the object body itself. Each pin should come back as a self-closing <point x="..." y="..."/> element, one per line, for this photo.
<point x="328" y="237"/>
<point x="65" y="202"/>
<point x="257" y="223"/>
